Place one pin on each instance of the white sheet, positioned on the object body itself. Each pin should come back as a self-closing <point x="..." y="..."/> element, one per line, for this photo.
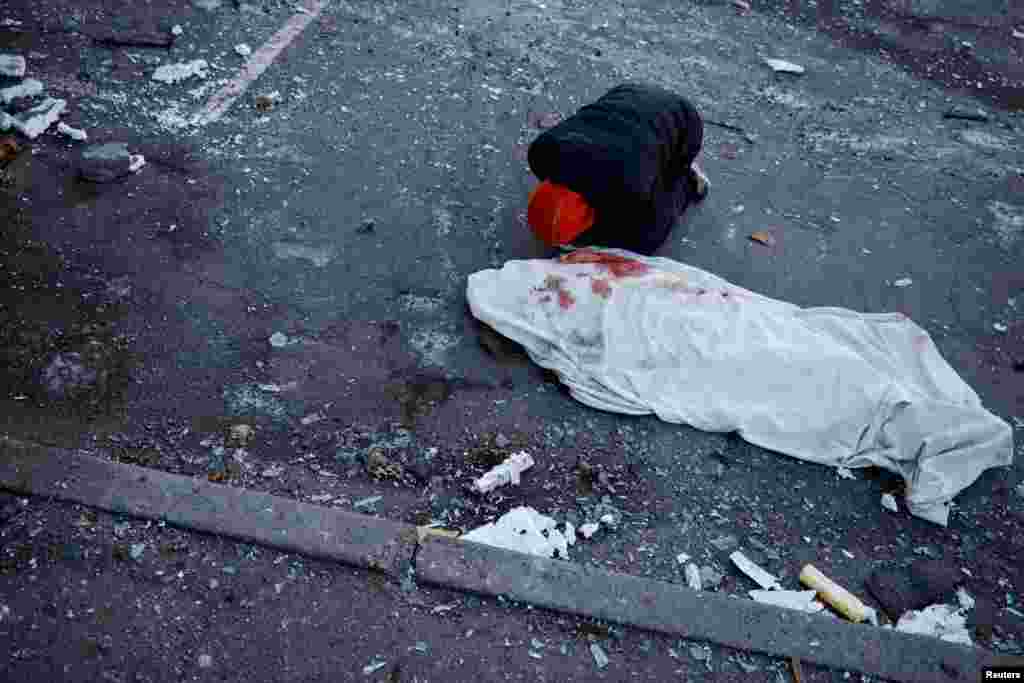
<point x="826" y="385"/>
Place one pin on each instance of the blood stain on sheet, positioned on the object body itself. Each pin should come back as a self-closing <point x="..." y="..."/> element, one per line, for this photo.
<point x="601" y="288"/>
<point x="618" y="266"/>
<point x="565" y="299"/>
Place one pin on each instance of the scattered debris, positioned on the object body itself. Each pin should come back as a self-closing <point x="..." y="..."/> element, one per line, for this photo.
<point x="135" y="163"/>
<point x="240" y="435"/>
<point x="742" y="6"/>
<point x="682" y="558"/>
<point x="835" y="595"/>
<point x="507" y="472"/>
<point x="272" y="472"/>
<point x="1019" y="35"/>
<point x="367" y="502"/>
<point x="940" y="621"/>
<point x="889" y="502"/>
<point x="278" y="340"/>
<point x="37" y="119"/>
<point x="903" y="282"/>
<point x="782" y="66"/>
<point x="600" y="658"/>
<point x="965" y="114"/>
<point x="12" y="66"/>
<point x="264" y="103"/>
<point x="749" y="137"/>
<point x="999" y="327"/>
<point x="177" y="30"/>
<point x="106" y="163"/>
<point x="73" y="133"/>
<point x="243" y="50"/>
<point x="845" y="473"/>
<point x="543" y="121"/>
<point x="524" y="530"/>
<point x="803" y="601"/>
<point x="367" y="227"/>
<point x="755" y="573"/>
<point x="373" y="666"/>
<point x="710" y="578"/>
<point x="589" y="529"/>
<point x="964" y="599"/>
<point x="136" y="551"/>
<point x="693" y="578"/>
<point x="29" y="87"/>
<point x="173" y="73"/>
<point x="379" y="466"/>
<point x="724" y="543"/>
<point x="763" y="237"/>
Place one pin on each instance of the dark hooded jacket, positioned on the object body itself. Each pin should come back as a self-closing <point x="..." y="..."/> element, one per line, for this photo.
<point x="629" y="155"/>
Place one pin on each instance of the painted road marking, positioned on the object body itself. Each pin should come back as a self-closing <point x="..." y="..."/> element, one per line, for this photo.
<point x="258" y="62"/>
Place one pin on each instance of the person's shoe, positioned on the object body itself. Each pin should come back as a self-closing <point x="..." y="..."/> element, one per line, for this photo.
<point x="699" y="182"/>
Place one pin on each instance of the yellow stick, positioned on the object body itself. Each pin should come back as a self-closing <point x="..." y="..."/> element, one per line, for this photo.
<point x="845" y="602"/>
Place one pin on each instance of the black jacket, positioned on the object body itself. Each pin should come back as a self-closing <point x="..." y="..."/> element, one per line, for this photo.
<point x="629" y="155"/>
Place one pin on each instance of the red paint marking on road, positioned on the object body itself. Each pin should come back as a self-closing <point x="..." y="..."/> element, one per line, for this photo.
<point x="258" y="62"/>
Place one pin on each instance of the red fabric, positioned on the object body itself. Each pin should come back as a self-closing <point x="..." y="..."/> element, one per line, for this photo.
<point x="557" y="215"/>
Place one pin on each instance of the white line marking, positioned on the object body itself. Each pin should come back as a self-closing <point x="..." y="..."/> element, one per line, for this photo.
<point x="258" y="62"/>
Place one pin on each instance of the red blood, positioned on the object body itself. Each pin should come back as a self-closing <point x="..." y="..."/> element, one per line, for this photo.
<point x="601" y="288"/>
<point x="618" y="266"/>
<point x="565" y="299"/>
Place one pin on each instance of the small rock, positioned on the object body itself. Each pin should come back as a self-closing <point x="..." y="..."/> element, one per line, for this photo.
<point x="600" y="658"/>
<point x="205" y="661"/>
<point x="710" y="578"/>
<point x="903" y="282"/>
<point x="889" y="502"/>
<point x="73" y="133"/>
<point x="173" y="73"/>
<point x="782" y="66"/>
<point x="724" y="543"/>
<point x="240" y="435"/>
<point x="243" y="50"/>
<point x="177" y="30"/>
<point x="136" y="551"/>
<point x="278" y="340"/>
<point x="12" y="66"/>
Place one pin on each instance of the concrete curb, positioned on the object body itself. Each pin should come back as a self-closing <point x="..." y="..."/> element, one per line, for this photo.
<point x="378" y="544"/>
<point x="356" y="540"/>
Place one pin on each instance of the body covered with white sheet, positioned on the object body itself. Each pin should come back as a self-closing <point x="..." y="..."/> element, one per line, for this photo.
<point x="638" y="335"/>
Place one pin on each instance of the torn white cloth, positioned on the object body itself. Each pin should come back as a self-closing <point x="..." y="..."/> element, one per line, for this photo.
<point x="638" y="335"/>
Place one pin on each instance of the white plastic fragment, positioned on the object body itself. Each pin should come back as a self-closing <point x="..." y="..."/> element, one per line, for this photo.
<point x="682" y="558"/>
<point x="755" y="573"/>
<point x="243" y="50"/>
<point x="172" y="73"/>
<point x="40" y="117"/>
<point x="1019" y="35"/>
<point x="29" y="87"/>
<point x="600" y="658"/>
<point x="367" y="502"/>
<point x="373" y="666"/>
<point x="693" y="577"/>
<point x="177" y="30"/>
<point x="903" y="282"/>
<point x="506" y="473"/>
<point x="589" y="529"/>
<point x="12" y="65"/>
<point x="277" y="340"/>
<point x="939" y="621"/>
<point x="73" y="133"/>
<point x="782" y="66"/>
<point x="845" y="473"/>
<point x="999" y="327"/>
<point x="523" y="530"/>
<point x="964" y="598"/>
<point x="136" y="162"/>
<point x="889" y="503"/>
<point x="802" y="601"/>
